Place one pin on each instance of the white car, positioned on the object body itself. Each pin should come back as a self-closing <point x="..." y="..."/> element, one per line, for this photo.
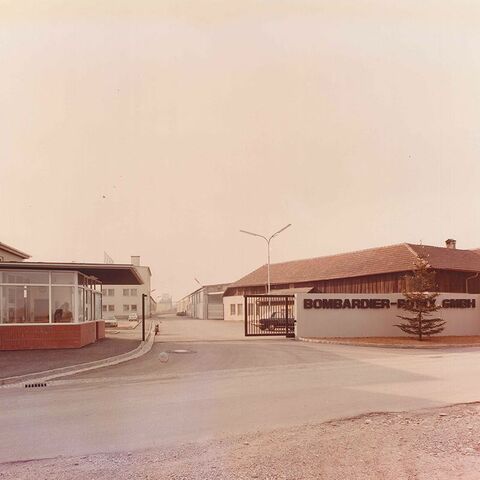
<point x="132" y="317"/>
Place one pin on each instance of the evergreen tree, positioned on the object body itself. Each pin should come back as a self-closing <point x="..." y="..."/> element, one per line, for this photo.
<point x="420" y="300"/>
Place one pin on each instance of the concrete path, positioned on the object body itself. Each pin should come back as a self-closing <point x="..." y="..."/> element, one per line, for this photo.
<point x="224" y="384"/>
<point x="38" y="366"/>
<point x="15" y="363"/>
<point x="23" y="362"/>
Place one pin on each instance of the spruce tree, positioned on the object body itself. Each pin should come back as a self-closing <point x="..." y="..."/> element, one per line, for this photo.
<point x="420" y="301"/>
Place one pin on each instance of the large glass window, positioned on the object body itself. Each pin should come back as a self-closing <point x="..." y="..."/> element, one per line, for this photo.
<point x="24" y="304"/>
<point x="49" y="297"/>
<point x="62" y="304"/>
<point x="98" y="306"/>
<point x="24" y="277"/>
<point x="88" y="306"/>
<point x="63" y="278"/>
<point x="81" y="305"/>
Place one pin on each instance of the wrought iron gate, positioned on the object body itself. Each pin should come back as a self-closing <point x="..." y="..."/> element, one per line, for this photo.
<point x="269" y="315"/>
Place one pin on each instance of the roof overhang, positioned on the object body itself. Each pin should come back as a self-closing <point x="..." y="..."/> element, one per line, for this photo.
<point x="291" y="291"/>
<point x="108" y="274"/>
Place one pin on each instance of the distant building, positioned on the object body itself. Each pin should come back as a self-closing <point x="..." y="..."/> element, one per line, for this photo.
<point x="119" y="301"/>
<point x="164" y="303"/>
<point x="204" y="303"/>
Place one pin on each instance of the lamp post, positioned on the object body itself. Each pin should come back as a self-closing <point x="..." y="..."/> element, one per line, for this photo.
<point x="268" y="240"/>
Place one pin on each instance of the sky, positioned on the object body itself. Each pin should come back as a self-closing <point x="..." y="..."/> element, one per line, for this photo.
<point x="162" y="128"/>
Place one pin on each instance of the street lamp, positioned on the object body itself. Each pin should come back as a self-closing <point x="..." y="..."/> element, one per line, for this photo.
<point x="268" y="240"/>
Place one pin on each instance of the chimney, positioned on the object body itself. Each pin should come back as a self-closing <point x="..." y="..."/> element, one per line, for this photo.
<point x="136" y="260"/>
<point x="451" y="243"/>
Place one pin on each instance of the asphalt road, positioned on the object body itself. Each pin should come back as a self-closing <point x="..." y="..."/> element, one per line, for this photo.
<point x="224" y="384"/>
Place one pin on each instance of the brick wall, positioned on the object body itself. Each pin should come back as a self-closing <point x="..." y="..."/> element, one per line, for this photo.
<point x="36" y="337"/>
<point x="100" y="329"/>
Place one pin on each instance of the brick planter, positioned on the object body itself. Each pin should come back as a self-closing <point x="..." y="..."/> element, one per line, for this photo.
<point x="36" y="337"/>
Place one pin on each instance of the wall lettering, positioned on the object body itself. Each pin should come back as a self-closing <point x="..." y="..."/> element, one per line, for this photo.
<point x="376" y="303"/>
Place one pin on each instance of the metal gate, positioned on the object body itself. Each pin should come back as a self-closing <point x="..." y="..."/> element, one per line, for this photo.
<point x="269" y="315"/>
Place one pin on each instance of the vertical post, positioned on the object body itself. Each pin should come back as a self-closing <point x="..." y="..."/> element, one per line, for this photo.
<point x="50" y="314"/>
<point x="245" y="313"/>
<point x="292" y="333"/>
<point x="143" y="317"/>
<point x="268" y="265"/>
<point x="286" y="316"/>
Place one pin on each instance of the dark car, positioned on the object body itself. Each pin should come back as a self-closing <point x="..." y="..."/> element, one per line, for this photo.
<point x="274" y="321"/>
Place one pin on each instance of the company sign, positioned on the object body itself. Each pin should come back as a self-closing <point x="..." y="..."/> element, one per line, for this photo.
<point x="376" y="314"/>
<point x="378" y="303"/>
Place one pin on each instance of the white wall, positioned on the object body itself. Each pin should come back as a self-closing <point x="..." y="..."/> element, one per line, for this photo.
<point x="235" y="300"/>
<point x="377" y="322"/>
<point x="118" y="300"/>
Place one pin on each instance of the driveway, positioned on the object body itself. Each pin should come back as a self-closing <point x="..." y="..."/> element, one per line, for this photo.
<point x="223" y="384"/>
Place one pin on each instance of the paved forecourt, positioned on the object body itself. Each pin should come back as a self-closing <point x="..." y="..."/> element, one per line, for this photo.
<point x="225" y="385"/>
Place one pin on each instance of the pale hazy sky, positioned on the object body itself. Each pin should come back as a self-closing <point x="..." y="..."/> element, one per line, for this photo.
<point x="356" y="121"/>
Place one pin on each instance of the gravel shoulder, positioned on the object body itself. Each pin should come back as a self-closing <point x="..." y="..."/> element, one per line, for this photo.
<point x="429" y="444"/>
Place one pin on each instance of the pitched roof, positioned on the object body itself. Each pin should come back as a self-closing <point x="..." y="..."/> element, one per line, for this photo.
<point x="389" y="259"/>
<point x="442" y="258"/>
<point x="14" y="251"/>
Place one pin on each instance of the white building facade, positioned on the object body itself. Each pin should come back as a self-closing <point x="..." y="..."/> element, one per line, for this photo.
<point x="233" y="307"/>
<point x="120" y="301"/>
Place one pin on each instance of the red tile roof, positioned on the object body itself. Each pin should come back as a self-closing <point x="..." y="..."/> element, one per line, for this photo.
<point x="389" y="259"/>
<point x="442" y="258"/>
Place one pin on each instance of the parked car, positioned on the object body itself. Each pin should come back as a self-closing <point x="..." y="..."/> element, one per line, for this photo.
<point x="181" y="314"/>
<point x="133" y="317"/>
<point x="274" y="321"/>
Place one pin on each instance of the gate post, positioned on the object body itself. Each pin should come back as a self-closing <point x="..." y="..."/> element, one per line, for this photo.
<point x="245" y="314"/>
<point x="286" y="317"/>
<point x="287" y="333"/>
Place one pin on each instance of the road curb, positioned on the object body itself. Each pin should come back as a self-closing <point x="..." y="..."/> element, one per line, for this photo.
<point x="40" y="377"/>
<point x="387" y="345"/>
